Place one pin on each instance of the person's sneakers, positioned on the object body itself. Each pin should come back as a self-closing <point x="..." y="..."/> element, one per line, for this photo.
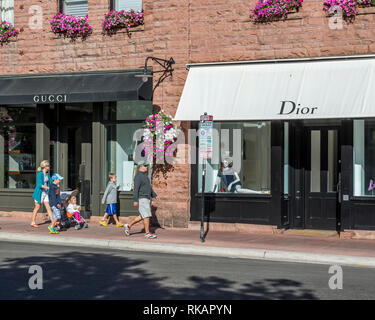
<point x="119" y="225"/>
<point x="102" y="223"/>
<point x="150" y="235"/>
<point x="52" y="230"/>
<point x="127" y="230"/>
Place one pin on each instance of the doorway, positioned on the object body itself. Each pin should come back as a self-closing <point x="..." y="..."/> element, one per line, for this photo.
<point x="71" y="144"/>
<point x="317" y="177"/>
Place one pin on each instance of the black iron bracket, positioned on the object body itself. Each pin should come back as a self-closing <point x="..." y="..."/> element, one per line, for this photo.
<point x="166" y="71"/>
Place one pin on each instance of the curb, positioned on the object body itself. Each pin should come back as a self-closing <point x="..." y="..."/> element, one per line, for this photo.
<point x="258" y="254"/>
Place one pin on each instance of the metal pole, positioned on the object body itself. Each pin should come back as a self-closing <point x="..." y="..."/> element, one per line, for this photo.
<point x="203" y="189"/>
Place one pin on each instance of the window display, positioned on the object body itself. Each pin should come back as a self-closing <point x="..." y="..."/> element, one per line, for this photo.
<point x="242" y="169"/>
<point x="17" y="148"/>
<point x="123" y="119"/>
<point x="364" y="157"/>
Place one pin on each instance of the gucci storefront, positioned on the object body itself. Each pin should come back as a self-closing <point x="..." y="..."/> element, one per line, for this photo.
<point x="83" y="123"/>
<point x="294" y="142"/>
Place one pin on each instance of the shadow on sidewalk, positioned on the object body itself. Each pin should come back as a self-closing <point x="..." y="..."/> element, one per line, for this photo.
<point x="76" y="275"/>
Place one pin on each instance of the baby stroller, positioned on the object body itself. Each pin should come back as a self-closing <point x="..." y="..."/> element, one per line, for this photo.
<point x="68" y="220"/>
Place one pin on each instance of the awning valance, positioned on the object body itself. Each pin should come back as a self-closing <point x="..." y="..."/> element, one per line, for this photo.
<point x="280" y="91"/>
<point x="74" y="87"/>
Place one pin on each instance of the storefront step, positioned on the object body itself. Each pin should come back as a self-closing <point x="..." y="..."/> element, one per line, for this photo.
<point x="312" y="233"/>
<point x="358" y="234"/>
<point x="236" y="227"/>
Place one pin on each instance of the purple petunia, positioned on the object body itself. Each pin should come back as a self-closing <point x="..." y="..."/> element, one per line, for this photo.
<point x="7" y="30"/>
<point x="71" y="26"/>
<point x="122" y="19"/>
<point x="265" y="10"/>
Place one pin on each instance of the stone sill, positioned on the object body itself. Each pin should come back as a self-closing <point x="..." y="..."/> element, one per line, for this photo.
<point x="361" y="11"/>
<point x="366" y="10"/>
<point x="292" y="15"/>
<point x="140" y="28"/>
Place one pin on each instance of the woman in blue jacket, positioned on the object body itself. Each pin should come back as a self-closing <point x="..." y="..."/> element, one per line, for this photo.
<point x="40" y="195"/>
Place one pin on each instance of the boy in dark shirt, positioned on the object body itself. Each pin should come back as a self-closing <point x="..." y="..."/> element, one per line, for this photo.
<point x="142" y="195"/>
<point x="55" y="201"/>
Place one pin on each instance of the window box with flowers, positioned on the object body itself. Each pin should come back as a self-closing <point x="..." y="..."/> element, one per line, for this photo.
<point x="349" y="8"/>
<point x="274" y="10"/>
<point x="7" y="31"/>
<point x="70" y="26"/>
<point x="116" y="20"/>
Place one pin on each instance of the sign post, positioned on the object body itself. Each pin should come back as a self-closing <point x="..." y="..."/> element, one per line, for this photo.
<point x="205" y="152"/>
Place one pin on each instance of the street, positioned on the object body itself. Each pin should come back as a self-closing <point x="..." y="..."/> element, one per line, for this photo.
<point x="89" y="273"/>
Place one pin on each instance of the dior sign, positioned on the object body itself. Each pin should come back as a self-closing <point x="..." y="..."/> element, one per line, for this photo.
<point x="50" y="98"/>
<point x="290" y="107"/>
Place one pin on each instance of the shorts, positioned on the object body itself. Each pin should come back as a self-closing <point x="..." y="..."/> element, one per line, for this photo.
<point x="111" y="209"/>
<point x="56" y="213"/>
<point x="43" y="198"/>
<point x="144" y="208"/>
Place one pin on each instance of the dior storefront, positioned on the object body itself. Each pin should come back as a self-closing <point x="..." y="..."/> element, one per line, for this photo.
<point x="83" y="123"/>
<point x="306" y="156"/>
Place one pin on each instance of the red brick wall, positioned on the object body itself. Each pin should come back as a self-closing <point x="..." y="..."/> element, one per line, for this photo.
<point x="188" y="31"/>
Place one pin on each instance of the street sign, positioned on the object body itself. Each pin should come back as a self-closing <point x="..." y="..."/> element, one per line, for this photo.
<point x="205" y="139"/>
<point x="205" y="152"/>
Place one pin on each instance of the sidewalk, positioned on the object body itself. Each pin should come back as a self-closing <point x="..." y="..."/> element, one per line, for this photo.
<point x="278" y="247"/>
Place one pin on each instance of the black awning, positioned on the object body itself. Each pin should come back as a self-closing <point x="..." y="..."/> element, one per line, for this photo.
<point x="74" y="87"/>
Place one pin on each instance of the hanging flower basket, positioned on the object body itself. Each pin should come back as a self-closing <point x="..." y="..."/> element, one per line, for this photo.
<point x="7" y="31"/>
<point x="70" y="26"/>
<point x="271" y="10"/>
<point x="115" y="20"/>
<point x="349" y="8"/>
<point x="159" y="134"/>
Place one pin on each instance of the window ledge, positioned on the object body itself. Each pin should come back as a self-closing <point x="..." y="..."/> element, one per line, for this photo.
<point x="234" y="195"/>
<point x="366" y="10"/>
<point x="362" y="198"/>
<point x="292" y="15"/>
<point x="361" y="11"/>
<point x="139" y="28"/>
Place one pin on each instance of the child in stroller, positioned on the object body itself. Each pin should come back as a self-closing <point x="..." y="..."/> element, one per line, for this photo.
<point x="74" y="211"/>
<point x="70" y="215"/>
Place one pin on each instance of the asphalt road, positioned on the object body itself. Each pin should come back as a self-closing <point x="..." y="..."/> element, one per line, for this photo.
<point x="88" y="273"/>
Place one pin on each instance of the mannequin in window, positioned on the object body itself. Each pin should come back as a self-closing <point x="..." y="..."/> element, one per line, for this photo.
<point x="230" y="178"/>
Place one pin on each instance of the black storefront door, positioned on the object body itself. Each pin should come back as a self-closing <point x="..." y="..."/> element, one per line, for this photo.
<point x="322" y="175"/>
<point x="317" y="178"/>
<point x="71" y="143"/>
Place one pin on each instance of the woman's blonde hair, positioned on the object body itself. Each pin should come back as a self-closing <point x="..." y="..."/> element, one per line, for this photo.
<point x="43" y="164"/>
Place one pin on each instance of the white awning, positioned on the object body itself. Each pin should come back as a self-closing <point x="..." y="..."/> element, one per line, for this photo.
<point x="318" y="89"/>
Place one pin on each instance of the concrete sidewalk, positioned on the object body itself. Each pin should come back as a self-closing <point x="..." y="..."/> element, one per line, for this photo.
<point x="278" y="247"/>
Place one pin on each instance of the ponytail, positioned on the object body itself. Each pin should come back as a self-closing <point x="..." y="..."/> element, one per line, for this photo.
<point x="43" y="164"/>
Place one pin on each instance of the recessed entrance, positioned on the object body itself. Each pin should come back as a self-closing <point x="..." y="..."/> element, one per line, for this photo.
<point x="316" y="178"/>
<point x="70" y="143"/>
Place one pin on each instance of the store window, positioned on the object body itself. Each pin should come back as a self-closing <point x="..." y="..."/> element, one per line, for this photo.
<point x="364" y="157"/>
<point x="241" y="161"/>
<point x="122" y="119"/>
<point x="74" y="7"/>
<point x="7" y="11"/>
<point x="128" y="5"/>
<point x="17" y="147"/>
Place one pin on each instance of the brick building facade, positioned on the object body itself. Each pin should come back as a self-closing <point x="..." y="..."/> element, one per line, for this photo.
<point x="190" y="31"/>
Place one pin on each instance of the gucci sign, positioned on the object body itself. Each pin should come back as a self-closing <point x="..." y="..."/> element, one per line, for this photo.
<point x="50" y="98"/>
